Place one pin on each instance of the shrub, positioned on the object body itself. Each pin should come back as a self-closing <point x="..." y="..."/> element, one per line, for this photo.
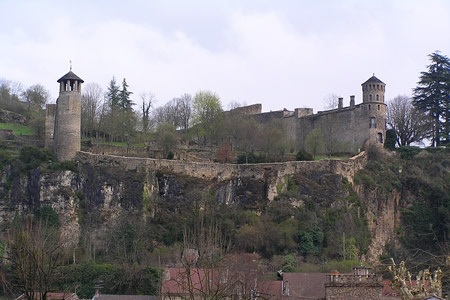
<point x="65" y="165"/>
<point x="408" y="152"/>
<point x="252" y="159"/>
<point x="170" y="155"/>
<point x="302" y="155"/>
<point x="32" y="157"/>
<point x="48" y="216"/>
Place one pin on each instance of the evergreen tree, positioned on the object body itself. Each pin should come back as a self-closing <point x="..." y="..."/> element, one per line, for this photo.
<point x="113" y="95"/>
<point x="432" y="95"/>
<point x="124" y="97"/>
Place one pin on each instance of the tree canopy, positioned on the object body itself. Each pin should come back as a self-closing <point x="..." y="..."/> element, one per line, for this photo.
<point x="432" y="95"/>
<point x="410" y="124"/>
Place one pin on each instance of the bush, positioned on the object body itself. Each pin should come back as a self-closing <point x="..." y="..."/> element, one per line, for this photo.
<point x="302" y="155"/>
<point x="252" y="159"/>
<point x="32" y="157"/>
<point x="391" y="139"/>
<point x="65" y="165"/>
<point x="116" y="279"/>
<point x="408" y="152"/>
<point x="170" y="155"/>
<point x="48" y="216"/>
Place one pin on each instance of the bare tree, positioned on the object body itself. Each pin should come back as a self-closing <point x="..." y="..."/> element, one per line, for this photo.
<point x="90" y="107"/>
<point x="330" y="101"/>
<point x="34" y="252"/>
<point x="148" y="100"/>
<point x="410" y="124"/>
<point x="427" y="283"/>
<point x="331" y="142"/>
<point x="314" y="142"/>
<point x="185" y="111"/>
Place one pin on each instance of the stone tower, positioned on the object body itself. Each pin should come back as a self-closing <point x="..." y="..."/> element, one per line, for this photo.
<point x="67" y="128"/>
<point x="375" y="109"/>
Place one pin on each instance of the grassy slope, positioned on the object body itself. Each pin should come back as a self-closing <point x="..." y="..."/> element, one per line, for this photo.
<point x="18" y="129"/>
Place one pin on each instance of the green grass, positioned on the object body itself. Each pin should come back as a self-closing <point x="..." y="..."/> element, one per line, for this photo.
<point x="18" y="129"/>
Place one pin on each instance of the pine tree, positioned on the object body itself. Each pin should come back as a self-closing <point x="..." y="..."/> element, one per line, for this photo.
<point x="112" y="95"/>
<point x="432" y="95"/>
<point x="124" y="97"/>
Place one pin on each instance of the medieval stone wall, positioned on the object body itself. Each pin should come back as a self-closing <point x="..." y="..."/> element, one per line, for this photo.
<point x="353" y="291"/>
<point x="216" y="171"/>
<point x="50" y="116"/>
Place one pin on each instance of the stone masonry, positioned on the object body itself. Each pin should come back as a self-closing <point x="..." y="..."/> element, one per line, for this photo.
<point x="345" y="129"/>
<point x="63" y="121"/>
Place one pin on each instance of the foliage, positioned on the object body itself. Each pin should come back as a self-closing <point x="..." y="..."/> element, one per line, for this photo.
<point x="68" y="165"/>
<point x="124" y="280"/>
<point x="408" y="152"/>
<point x="166" y="137"/>
<point x="48" y="216"/>
<point x="33" y="157"/>
<point x="251" y="158"/>
<point x="289" y="262"/>
<point x="391" y="139"/>
<point x="432" y="95"/>
<point x="207" y="113"/>
<point x="410" y="124"/>
<point x="303" y="155"/>
<point x="314" y="142"/>
<point x="311" y="240"/>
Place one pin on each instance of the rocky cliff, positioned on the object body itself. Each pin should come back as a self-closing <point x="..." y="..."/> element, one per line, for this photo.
<point x="103" y="189"/>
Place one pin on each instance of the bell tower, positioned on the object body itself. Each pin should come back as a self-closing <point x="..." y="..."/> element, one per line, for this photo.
<point x="374" y="109"/>
<point x="67" y="132"/>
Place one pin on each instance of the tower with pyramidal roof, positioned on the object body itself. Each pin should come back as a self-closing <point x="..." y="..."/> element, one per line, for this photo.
<point x="63" y="119"/>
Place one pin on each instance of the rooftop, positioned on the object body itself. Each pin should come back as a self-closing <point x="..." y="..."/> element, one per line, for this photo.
<point x="373" y="79"/>
<point x="70" y="76"/>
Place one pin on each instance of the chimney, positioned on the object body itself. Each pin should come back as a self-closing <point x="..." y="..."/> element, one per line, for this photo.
<point x="352" y="100"/>
<point x="341" y="103"/>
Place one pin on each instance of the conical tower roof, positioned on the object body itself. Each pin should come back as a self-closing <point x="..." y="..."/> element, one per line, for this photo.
<point x="71" y="76"/>
<point x="373" y="79"/>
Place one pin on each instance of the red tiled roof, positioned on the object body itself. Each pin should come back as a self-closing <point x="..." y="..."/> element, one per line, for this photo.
<point x="305" y="285"/>
<point x="270" y="289"/>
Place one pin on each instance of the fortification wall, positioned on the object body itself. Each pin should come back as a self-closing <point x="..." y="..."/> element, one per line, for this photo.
<point x="272" y="173"/>
<point x="50" y="115"/>
<point x="247" y="110"/>
<point x="348" y="129"/>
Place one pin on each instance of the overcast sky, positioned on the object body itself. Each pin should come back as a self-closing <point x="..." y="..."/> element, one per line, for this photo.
<point x="283" y="54"/>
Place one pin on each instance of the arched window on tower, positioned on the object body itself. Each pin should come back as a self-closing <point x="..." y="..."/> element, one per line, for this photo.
<point x="373" y="123"/>
<point x="378" y="98"/>
<point x="370" y="97"/>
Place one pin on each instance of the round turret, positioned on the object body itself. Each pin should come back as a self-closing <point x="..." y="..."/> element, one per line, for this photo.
<point x="374" y="109"/>
<point x="68" y="117"/>
<point x="373" y="90"/>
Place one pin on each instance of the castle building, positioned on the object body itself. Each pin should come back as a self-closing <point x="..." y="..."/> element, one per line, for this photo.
<point x="63" y="119"/>
<point x="344" y="129"/>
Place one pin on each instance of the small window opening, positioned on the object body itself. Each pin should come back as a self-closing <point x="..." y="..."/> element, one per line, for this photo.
<point x="370" y="97"/>
<point x="378" y="106"/>
<point x="380" y="137"/>
<point x="373" y="123"/>
<point x="369" y="106"/>
<point x="378" y="97"/>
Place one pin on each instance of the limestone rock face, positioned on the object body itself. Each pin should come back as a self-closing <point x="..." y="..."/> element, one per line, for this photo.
<point x="105" y="188"/>
<point x="382" y="212"/>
